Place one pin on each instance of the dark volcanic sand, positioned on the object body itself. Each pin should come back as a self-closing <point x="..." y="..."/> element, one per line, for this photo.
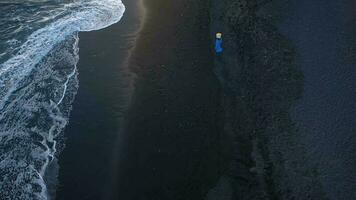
<point x="170" y="146"/>
<point x="324" y="36"/>
<point x="168" y="149"/>
<point x="86" y="164"/>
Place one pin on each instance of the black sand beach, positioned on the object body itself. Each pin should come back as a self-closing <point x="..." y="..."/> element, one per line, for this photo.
<point x="179" y="100"/>
<point x="172" y="122"/>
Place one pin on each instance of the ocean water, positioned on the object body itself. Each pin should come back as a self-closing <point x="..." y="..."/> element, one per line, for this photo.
<point x="38" y="82"/>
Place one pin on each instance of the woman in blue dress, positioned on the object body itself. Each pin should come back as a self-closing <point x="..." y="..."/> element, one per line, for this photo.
<point x="218" y="43"/>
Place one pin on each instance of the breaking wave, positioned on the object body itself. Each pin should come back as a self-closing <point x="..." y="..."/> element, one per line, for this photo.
<point x="38" y="83"/>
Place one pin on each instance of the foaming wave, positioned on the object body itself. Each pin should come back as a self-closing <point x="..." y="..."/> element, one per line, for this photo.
<point x="92" y="15"/>
<point x="37" y="87"/>
<point x="33" y="120"/>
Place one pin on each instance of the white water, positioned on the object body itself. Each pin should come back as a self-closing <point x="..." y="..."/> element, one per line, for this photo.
<point x="37" y="87"/>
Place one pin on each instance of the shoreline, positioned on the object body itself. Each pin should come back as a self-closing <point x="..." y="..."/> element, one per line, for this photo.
<point x="105" y="87"/>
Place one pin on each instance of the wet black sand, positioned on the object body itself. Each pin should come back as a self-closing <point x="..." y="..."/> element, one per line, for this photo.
<point x="86" y="163"/>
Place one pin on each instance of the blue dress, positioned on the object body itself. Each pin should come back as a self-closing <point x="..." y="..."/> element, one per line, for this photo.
<point x="218" y="46"/>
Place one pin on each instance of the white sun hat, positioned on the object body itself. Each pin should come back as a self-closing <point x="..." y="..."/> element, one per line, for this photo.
<point x="218" y="35"/>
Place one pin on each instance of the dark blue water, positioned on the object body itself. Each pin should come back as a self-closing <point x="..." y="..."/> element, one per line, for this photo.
<point x="38" y="82"/>
<point x="323" y="32"/>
